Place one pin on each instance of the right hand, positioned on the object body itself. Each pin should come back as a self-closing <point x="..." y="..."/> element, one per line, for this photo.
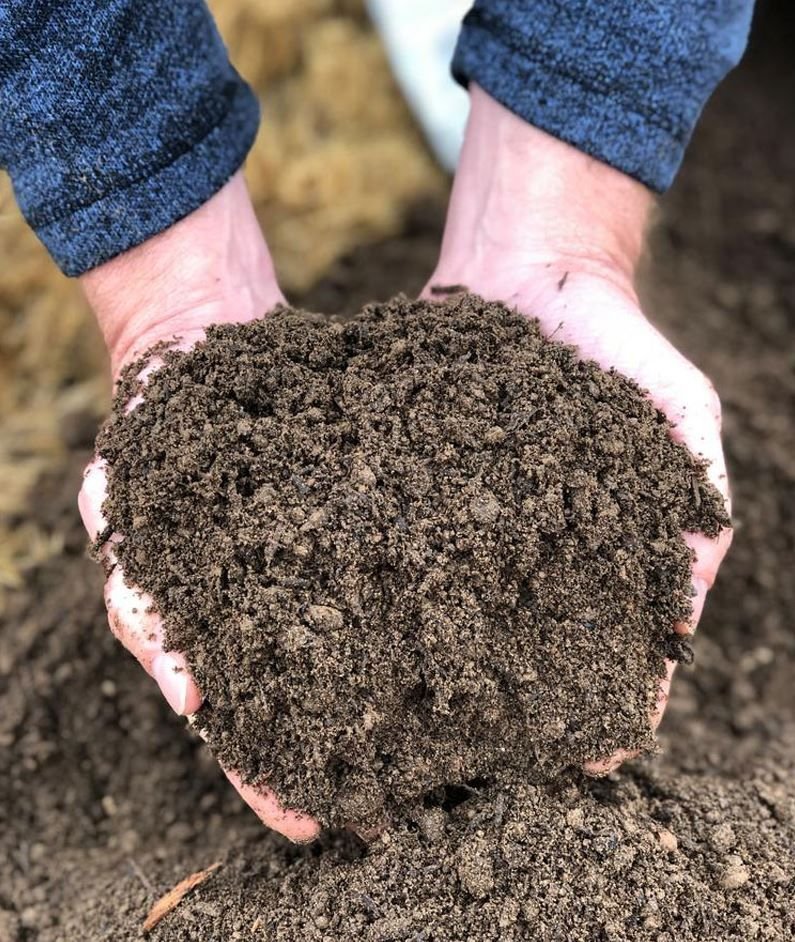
<point x="211" y="267"/>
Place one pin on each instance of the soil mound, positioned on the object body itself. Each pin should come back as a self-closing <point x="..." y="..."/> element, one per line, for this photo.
<point x="424" y="547"/>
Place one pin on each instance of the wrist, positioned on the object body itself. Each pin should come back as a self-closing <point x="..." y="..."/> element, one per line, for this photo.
<point x="523" y="195"/>
<point x="213" y="266"/>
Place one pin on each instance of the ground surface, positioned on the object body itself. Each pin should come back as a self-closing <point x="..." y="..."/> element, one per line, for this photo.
<point x="105" y="803"/>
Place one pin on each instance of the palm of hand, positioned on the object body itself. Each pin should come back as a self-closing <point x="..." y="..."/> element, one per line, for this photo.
<point x="588" y="306"/>
<point x="594" y="312"/>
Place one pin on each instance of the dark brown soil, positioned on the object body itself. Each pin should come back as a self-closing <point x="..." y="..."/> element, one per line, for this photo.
<point x="109" y="804"/>
<point x="105" y="802"/>
<point x="421" y="548"/>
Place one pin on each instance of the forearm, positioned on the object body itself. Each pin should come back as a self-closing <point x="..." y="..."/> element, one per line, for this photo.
<point x="623" y="82"/>
<point x="119" y="119"/>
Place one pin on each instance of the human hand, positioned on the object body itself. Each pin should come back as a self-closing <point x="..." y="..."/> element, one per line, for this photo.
<point x="537" y="224"/>
<point x="211" y="267"/>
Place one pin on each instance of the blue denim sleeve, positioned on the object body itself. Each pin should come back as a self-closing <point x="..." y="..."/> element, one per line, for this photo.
<point x="119" y="117"/>
<point x="622" y="81"/>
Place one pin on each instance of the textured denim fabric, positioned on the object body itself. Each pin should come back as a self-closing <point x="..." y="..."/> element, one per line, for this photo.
<point x="622" y="80"/>
<point x="117" y="118"/>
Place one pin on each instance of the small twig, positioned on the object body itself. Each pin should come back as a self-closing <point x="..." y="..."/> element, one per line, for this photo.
<point x="174" y="897"/>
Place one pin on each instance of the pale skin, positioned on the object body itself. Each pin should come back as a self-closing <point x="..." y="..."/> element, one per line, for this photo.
<point x="532" y="222"/>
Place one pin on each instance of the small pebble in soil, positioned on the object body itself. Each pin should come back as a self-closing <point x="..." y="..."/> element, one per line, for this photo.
<point x="734" y="874"/>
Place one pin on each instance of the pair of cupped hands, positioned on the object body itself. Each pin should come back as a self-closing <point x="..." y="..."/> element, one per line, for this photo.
<point x="532" y="222"/>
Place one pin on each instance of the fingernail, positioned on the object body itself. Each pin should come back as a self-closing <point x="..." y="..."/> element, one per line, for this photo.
<point x="700" y="586"/>
<point x="173" y="681"/>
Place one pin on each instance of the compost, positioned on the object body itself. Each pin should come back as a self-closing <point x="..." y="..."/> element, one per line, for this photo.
<point x="421" y="548"/>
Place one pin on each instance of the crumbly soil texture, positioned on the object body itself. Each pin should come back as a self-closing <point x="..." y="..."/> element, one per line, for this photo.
<point x="106" y="803"/>
<point x="425" y="547"/>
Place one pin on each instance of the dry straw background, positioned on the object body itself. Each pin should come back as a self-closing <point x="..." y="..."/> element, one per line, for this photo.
<point x="337" y="163"/>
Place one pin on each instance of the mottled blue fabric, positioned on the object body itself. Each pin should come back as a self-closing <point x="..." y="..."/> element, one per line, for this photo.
<point x="117" y="118"/>
<point x="622" y="80"/>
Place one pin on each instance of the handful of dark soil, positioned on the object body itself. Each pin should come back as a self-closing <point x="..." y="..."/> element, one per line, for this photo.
<point x="424" y="547"/>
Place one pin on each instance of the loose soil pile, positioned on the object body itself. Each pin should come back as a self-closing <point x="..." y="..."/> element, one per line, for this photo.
<point x="105" y="803"/>
<point x="421" y="548"/>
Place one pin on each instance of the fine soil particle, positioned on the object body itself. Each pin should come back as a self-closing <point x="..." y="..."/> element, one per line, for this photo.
<point x="581" y="863"/>
<point x="425" y="547"/>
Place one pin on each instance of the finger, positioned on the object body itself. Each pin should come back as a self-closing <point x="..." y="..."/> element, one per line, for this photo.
<point x="296" y="827"/>
<point x="663" y="694"/>
<point x="93" y="492"/>
<point x="699" y="428"/>
<point x="696" y="423"/>
<point x="172" y="675"/>
<point x="139" y="628"/>
<point x="709" y="553"/>
<point x="601" y="767"/>
<point x="153" y="363"/>
<point x="689" y="626"/>
<point x="131" y="612"/>
<point x="436" y="290"/>
<point x="299" y="828"/>
<point x="134" y="621"/>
